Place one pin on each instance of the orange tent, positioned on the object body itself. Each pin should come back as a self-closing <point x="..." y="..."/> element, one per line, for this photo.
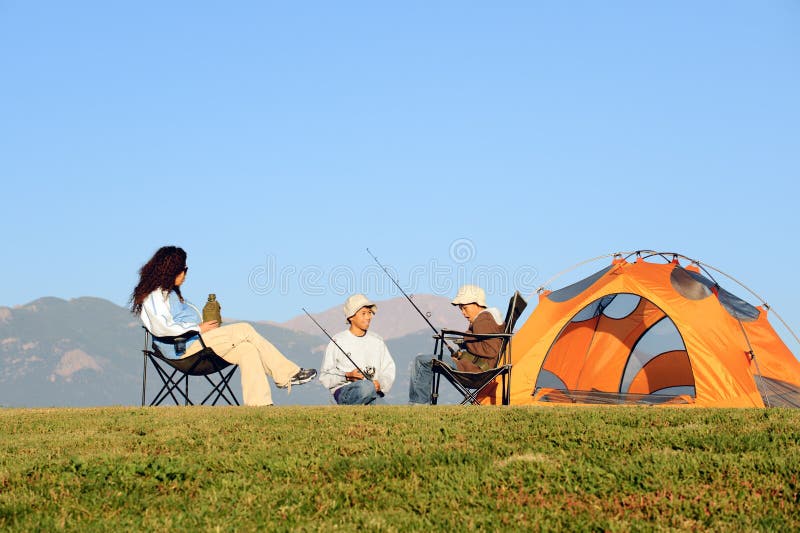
<point x="647" y="330"/>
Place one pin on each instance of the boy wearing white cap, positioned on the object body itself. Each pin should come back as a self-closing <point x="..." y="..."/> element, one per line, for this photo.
<point x="475" y="355"/>
<point x="366" y="349"/>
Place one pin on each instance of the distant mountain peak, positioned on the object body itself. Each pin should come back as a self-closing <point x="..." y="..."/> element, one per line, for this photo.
<point x="45" y="301"/>
<point x="395" y="317"/>
<point x="73" y="361"/>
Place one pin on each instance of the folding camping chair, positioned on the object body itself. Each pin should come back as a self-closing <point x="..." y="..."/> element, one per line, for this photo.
<point x="204" y="363"/>
<point x="470" y="384"/>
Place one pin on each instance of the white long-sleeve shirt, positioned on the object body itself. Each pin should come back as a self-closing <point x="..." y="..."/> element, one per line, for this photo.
<point x="156" y="316"/>
<point x="366" y="351"/>
<point x="159" y="317"/>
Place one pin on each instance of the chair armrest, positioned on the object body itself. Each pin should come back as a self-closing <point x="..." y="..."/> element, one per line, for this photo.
<point x="175" y="338"/>
<point x="192" y="332"/>
<point x="452" y="332"/>
<point x="182" y="336"/>
<point x="199" y="337"/>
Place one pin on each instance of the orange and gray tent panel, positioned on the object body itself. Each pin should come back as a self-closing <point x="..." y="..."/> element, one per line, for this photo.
<point x="651" y="333"/>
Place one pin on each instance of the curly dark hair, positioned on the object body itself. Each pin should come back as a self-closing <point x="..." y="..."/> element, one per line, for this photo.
<point x="159" y="273"/>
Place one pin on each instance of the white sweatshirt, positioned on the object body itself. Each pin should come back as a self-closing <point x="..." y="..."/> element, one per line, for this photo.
<point x="366" y="351"/>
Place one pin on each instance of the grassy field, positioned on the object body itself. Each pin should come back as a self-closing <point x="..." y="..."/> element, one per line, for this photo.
<point x="398" y="468"/>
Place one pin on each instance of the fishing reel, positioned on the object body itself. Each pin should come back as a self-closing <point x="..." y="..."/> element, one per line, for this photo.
<point x="369" y="372"/>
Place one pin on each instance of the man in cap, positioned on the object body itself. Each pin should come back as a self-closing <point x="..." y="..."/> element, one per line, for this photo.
<point x="475" y="355"/>
<point x="366" y="349"/>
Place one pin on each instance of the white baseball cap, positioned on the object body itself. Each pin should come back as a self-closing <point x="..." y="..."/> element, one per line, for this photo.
<point x="470" y="294"/>
<point x="356" y="302"/>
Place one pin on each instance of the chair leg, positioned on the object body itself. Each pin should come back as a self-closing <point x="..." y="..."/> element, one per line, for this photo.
<point x="435" y="387"/>
<point x="168" y="390"/>
<point x="214" y="388"/>
<point x="144" y="365"/>
<point x="471" y="397"/>
<point x="174" y="388"/>
<point x="170" y="385"/>
<point x="144" y="377"/>
<point x="220" y="387"/>
<point x="227" y="384"/>
<point x="165" y="386"/>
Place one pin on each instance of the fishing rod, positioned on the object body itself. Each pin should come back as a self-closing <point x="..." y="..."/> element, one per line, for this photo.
<point x="452" y="351"/>
<point x="367" y="375"/>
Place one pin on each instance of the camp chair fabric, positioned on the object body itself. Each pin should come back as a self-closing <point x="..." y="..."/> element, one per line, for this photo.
<point x="473" y="385"/>
<point x="651" y="331"/>
<point x="205" y="363"/>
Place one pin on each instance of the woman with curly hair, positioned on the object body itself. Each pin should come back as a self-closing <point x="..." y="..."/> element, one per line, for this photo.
<point x="158" y="301"/>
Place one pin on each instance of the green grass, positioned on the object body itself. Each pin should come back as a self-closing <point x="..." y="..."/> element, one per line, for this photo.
<point x="397" y="468"/>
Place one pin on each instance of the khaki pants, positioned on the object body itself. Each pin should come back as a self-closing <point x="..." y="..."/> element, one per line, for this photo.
<point x="257" y="358"/>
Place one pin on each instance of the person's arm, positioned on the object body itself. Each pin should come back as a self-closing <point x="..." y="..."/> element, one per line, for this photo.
<point x="158" y="318"/>
<point x="190" y="313"/>
<point x="329" y="373"/>
<point x="486" y="348"/>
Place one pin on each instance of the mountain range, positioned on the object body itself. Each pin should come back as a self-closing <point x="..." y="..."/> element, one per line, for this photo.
<point x="87" y="351"/>
<point x="393" y="319"/>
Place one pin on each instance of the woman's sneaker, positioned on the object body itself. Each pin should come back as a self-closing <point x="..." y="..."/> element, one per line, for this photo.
<point x="304" y="375"/>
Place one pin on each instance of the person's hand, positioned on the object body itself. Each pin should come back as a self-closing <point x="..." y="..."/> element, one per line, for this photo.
<point x="354" y="375"/>
<point x="208" y="326"/>
<point x="377" y="385"/>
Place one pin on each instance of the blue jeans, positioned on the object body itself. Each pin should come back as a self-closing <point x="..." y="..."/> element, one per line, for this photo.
<point x="419" y="386"/>
<point x="360" y="392"/>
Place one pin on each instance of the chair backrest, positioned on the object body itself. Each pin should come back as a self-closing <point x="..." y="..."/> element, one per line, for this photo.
<point x="516" y="305"/>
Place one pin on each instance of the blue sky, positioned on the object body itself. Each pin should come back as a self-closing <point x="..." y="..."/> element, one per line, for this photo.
<point x="279" y="140"/>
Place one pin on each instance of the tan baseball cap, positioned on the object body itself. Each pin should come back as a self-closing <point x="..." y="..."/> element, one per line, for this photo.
<point x="470" y="294"/>
<point x="356" y="302"/>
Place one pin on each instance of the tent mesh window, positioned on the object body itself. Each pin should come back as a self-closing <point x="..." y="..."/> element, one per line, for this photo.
<point x="571" y="291"/>
<point x="695" y="286"/>
<point x="619" y="349"/>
